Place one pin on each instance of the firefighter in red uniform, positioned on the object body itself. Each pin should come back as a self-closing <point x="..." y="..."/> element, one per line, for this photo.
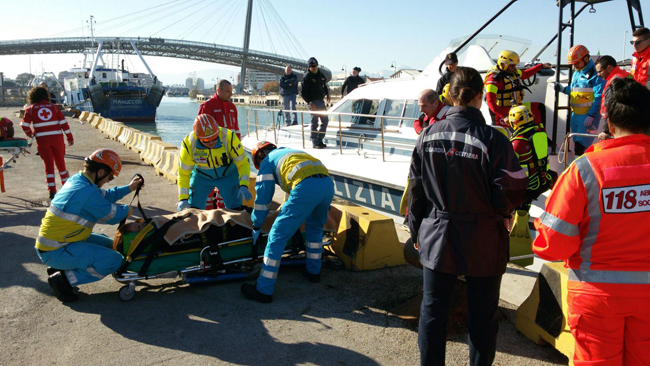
<point x="48" y="125"/>
<point x="504" y="87"/>
<point x="221" y="108"/>
<point x="595" y="221"/>
<point x="641" y="57"/>
<point x="432" y="110"/>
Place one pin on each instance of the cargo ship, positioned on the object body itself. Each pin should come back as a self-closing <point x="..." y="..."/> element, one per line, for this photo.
<point x="114" y="93"/>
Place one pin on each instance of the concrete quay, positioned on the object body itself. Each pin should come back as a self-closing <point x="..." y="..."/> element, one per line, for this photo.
<point x="344" y="320"/>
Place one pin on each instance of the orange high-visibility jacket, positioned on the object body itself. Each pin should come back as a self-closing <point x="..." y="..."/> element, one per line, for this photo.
<point x="596" y="219"/>
<point x="641" y="67"/>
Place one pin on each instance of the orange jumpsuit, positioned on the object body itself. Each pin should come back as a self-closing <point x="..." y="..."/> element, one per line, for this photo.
<point x="595" y="220"/>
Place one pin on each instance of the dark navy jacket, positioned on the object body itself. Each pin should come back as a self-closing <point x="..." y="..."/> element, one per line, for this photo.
<point x="289" y="84"/>
<point x="351" y="83"/>
<point x="314" y="87"/>
<point x="464" y="180"/>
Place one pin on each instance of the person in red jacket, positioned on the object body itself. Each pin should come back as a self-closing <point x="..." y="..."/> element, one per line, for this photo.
<point x="45" y="121"/>
<point x="595" y="222"/>
<point x="641" y="57"/>
<point x="221" y="108"/>
<point x="607" y="69"/>
<point x="432" y="110"/>
<point x="504" y="87"/>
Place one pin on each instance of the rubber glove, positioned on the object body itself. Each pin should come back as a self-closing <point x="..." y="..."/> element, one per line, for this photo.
<point x="182" y="205"/>
<point x="256" y="235"/>
<point x="245" y="193"/>
<point x="558" y="87"/>
<point x="588" y="121"/>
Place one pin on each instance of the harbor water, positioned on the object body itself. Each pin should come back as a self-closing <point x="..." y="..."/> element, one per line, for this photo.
<point x="175" y="117"/>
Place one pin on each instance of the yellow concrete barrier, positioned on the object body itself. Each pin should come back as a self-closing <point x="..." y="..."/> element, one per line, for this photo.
<point x="125" y="137"/>
<point x="105" y="126"/>
<point x="542" y="317"/>
<point x="140" y="141"/>
<point x="83" y="117"/>
<point x="115" y="130"/>
<point x="366" y="240"/>
<point x="96" y="120"/>
<point x="168" y="165"/>
<point x="153" y="153"/>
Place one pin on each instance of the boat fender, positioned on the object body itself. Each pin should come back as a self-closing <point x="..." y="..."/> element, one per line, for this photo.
<point x="97" y="96"/>
<point x="155" y="94"/>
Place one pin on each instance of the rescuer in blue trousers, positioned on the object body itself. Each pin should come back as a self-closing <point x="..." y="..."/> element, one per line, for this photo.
<point x="310" y="190"/>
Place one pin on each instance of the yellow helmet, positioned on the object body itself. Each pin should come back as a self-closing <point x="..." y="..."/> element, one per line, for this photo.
<point x="507" y="58"/>
<point x="445" y="90"/>
<point x="520" y="115"/>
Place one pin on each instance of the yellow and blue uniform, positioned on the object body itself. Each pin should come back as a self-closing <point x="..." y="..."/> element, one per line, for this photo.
<point x="201" y="169"/>
<point x="310" y="190"/>
<point x="585" y="98"/>
<point x="65" y="240"/>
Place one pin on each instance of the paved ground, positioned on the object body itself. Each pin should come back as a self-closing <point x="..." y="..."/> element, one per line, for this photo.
<point x="344" y="320"/>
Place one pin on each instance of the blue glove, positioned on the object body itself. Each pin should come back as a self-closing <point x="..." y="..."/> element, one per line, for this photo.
<point x="182" y="205"/>
<point x="588" y="121"/>
<point x="245" y="193"/>
<point x="558" y="87"/>
<point x="256" y="235"/>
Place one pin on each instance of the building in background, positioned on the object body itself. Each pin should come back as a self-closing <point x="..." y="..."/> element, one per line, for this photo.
<point x="256" y="79"/>
<point x="200" y="84"/>
<point x="406" y="73"/>
<point x="189" y="83"/>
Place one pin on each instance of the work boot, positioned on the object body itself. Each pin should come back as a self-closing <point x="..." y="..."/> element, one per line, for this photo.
<point x="313" y="278"/>
<point x="61" y="286"/>
<point x="251" y="292"/>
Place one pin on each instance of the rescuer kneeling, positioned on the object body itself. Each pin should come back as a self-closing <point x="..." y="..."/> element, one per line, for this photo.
<point x="65" y="241"/>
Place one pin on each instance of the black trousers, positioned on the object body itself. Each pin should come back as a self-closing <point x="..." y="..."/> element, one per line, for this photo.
<point x="482" y="304"/>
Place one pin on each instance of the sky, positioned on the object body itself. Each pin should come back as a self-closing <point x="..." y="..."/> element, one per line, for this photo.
<point x="341" y="34"/>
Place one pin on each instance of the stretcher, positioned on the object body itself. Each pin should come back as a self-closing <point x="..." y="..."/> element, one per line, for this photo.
<point x="220" y="253"/>
<point x="15" y="147"/>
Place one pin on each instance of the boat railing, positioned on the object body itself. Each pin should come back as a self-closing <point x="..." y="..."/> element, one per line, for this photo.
<point x="562" y="156"/>
<point x="275" y="113"/>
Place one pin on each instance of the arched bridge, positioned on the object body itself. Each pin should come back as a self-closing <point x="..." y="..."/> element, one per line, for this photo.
<point x="208" y="52"/>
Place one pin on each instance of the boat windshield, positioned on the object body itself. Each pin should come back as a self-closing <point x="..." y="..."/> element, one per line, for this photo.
<point x="358" y="106"/>
<point x="493" y="44"/>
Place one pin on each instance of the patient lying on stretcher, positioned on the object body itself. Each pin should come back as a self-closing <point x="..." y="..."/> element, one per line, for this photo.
<point x="196" y="229"/>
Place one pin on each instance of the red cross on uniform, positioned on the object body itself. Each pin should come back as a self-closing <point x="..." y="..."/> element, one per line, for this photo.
<point x="45" y="114"/>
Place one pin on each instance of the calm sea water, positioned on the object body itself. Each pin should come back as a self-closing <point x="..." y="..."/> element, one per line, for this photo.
<point x="175" y="116"/>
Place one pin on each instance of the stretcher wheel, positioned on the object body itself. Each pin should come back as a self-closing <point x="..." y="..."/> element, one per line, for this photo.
<point x="127" y="292"/>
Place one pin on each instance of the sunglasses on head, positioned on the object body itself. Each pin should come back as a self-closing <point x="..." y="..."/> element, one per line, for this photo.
<point x="633" y="43"/>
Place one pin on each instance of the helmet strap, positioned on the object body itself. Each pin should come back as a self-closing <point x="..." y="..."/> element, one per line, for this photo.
<point x="98" y="179"/>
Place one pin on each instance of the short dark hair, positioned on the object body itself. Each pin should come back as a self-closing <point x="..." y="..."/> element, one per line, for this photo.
<point x="605" y="61"/>
<point x="92" y="166"/>
<point x="643" y="31"/>
<point x="38" y="94"/>
<point x="465" y="85"/>
<point x="222" y="83"/>
<point x="628" y="105"/>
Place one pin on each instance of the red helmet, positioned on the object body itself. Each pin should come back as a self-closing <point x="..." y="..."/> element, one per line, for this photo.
<point x="109" y="158"/>
<point x="261" y="151"/>
<point x="577" y="53"/>
<point x="205" y="127"/>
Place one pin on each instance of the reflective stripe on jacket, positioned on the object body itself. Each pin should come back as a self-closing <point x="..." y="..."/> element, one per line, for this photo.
<point x="498" y="86"/>
<point x="531" y="148"/>
<point x="45" y="119"/>
<point x="286" y="168"/>
<point x="595" y="219"/>
<point x="215" y="162"/>
<point x="75" y="210"/>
